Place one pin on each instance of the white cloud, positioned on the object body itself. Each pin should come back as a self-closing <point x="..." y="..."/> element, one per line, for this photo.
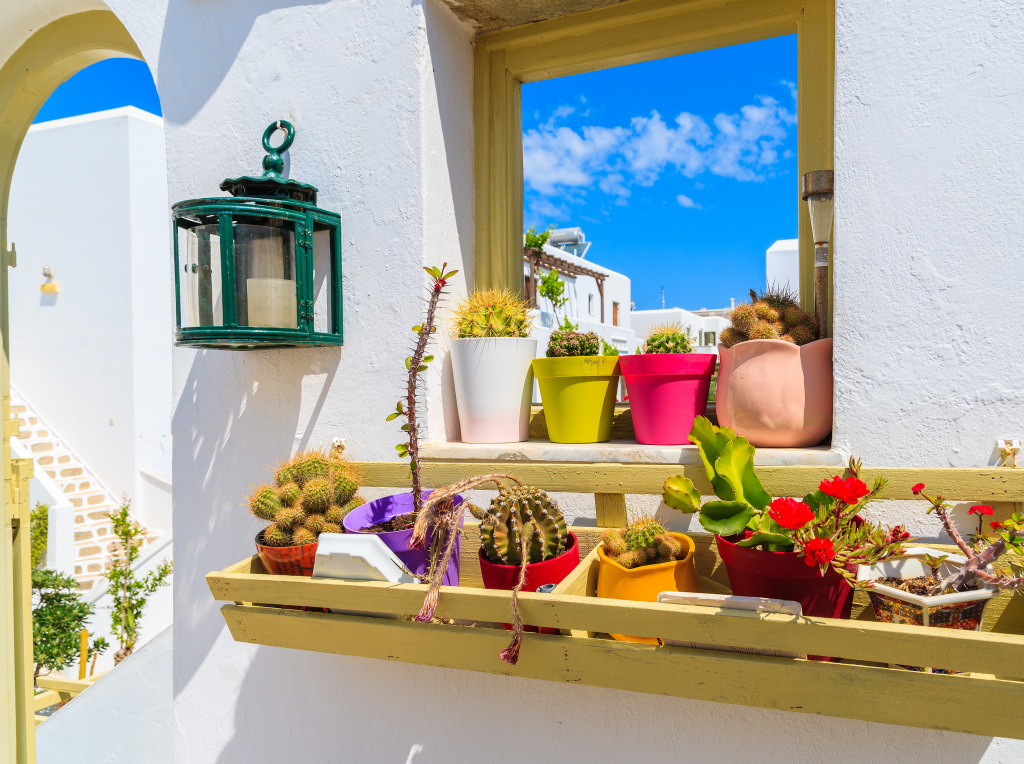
<point x="685" y="201"/>
<point x="744" y="146"/>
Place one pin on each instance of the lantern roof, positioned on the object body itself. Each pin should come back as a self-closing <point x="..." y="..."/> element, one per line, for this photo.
<point x="271" y="184"/>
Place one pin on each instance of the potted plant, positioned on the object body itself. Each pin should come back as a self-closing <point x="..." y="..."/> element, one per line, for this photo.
<point x="642" y="560"/>
<point x="775" y="376"/>
<point x="311" y="494"/>
<point x="782" y="548"/>
<point x="926" y="587"/>
<point x="491" y="363"/>
<point x="667" y="385"/>
<point x="577" y="388"/>
<point x="393" y="518"/>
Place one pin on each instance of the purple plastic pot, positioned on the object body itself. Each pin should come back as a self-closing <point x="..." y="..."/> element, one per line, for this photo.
<point x="666" y="392"/>
<point x="416" y="560"/>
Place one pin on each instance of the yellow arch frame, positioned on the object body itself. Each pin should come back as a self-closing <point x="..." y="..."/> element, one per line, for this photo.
<point x="627" y="33"/>
<point x="27" y="79"/>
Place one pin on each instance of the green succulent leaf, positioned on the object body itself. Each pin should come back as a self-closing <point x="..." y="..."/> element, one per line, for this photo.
<point x="736" y="466"/>
<point x="392" y="416"/>
<point x="449" y="274"/>
<point x="418" y="328"/>
<point x="680" y="493"/>
<point x="726" y="518"/>
<point x="421" y="367"/>
<point x="711" y="441"/>
<point x="408" y="362"/>
<point x="428" y="358"/>
<point x="768" y="539"/>
<point x="405" y="427"/>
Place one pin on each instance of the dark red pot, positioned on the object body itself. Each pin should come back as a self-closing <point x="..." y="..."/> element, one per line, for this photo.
<point x="287" y="560"/>
<point x="551" y="571"/>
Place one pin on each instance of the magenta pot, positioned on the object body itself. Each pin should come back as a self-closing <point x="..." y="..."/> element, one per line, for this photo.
<point x="775" y="393"/>
<point x="666" y="392"/>
<point x="416" y="560"/>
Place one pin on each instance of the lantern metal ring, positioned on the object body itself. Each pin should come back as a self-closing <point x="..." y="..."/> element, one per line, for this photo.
<point x="261" y="268"/>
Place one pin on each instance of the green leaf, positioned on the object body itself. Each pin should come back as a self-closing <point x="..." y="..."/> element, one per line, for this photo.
<point x="428" y="358"/>
<point x="401" y="446"/>
<point x="418" y="328"/>
<point x="726" y="518"/>
<point x="400" y="409"/>
<point x="736" y="466"/>
<point x="408" y="362"/>
<point x="680" y="493"/>
<point x="711" y="441"/>
<point x="405" y="427"/>
<point x="432" y="272"/>
<point x="421" y="367"/>
<point x="768" y="539"/>
<point x="449" y="274"/>
<point x="392" y="416"/>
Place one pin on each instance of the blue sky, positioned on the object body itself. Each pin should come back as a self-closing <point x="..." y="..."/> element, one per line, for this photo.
<point x="105" y="85"/>
<point x="681" y="171"/>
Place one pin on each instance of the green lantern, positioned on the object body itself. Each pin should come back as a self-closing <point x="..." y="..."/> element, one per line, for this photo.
<point x="261" y="268"/>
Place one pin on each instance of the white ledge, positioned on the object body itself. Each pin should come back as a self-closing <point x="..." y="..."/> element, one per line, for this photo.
<point x="618" y="451"/>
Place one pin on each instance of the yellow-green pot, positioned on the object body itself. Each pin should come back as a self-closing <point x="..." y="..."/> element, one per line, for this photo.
<point x="578" y="394"/>
<point x="645" y="583"/>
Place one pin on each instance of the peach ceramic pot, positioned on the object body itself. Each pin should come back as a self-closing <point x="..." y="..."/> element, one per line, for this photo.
<point x="775" y="393"/>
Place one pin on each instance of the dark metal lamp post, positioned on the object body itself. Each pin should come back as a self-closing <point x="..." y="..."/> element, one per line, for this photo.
<point x="817" y="189"/>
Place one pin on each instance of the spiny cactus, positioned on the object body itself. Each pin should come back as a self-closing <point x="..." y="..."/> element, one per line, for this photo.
<point x="492" y="313"/>
<point x="643" y="542"/>
<point x="512" y="510"/>
<point x="668" y="338"/>
<point x="565" y="344"/>
<point x="772" y="314"/>
<point x="305" y="512"/>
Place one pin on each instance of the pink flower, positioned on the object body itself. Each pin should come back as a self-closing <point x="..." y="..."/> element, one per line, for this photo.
<point x="848" y="491"/>
<point x="981" y="509"/>
<point x="790" y="513"/>
<point x="896" y="534"/>
<point x="819" y="552"/>
<point x="917" y="488"/>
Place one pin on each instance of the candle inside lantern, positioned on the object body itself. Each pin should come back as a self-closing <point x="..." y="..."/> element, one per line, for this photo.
<point x="272" y="303"/>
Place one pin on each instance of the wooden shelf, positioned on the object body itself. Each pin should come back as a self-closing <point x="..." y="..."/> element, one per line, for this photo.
<point x="861" y="686"/>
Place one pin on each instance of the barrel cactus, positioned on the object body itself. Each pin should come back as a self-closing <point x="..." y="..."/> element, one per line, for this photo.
<point x="771" y="314"/>
<point x="492" y="313"/>
<point x="643" y="542"/>
<point x="310" y="495"/>
<point x="668" y="338"/>
<point x="512" y="510"/>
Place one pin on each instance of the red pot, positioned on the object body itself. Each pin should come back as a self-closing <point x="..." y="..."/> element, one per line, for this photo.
<point x="287" y="560"/>
<point x="551" y="571"/>
<point x="786" y="576"/>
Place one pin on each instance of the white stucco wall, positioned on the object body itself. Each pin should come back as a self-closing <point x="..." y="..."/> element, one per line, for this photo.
<point x="381" y="94"/>
<point x="89" y="199"/>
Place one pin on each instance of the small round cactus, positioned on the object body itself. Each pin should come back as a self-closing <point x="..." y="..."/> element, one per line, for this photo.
<point x="743" y="318"/>
<point x="730" y="336"/>
<point x="276" y="535"/>
<point x="289" y="517"/>
<point x="668" y="338"/>
<point x="318" y="494"/>
<point x="286" y="473"/>
<point x="771" y="314"/>
<point x="290" y="494"/>
<point x="510" y="511"/>
<point x="764" y="330"/>
<point x="264" y="502"/>
<point x="643" y="542"/>
<point x="492" y="313"/>
<point x="311" y="464"/>
<point x="766" y="312"/>
<point x="331" y="528"/>
<point x="344" y="488"/>
<point x="303" y="535"/>
<point x="314" y="523"/>
<point x="565" y="344"/>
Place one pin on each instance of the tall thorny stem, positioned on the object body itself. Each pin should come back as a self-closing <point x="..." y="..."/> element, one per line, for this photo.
<point x="416" y="364"/>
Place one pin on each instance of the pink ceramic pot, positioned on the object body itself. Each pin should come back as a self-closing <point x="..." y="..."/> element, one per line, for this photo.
<point x="775" y="393"/>
<point x="666" y="392"/>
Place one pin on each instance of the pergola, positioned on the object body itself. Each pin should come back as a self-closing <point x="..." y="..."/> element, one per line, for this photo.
<point x="538" y="258"/>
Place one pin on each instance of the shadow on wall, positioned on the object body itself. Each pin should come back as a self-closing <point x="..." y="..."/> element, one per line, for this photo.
<point x="364" y="710"/>
<point x="219" y="30"/>
<point x="254" y="400"/>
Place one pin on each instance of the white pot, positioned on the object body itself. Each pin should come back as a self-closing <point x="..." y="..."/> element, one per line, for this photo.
<point x="946" y="610"/>
<point x="494" y="387"/>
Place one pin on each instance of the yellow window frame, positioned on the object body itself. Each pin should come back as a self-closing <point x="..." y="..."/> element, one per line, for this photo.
<point x="628" y="33"/>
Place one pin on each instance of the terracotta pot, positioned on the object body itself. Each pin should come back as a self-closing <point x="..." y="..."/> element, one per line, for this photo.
<point x="497" y="576"/>
<point x="775" y="393"/>
<point x="287" y="560"/>
<point x="643" y="584"/>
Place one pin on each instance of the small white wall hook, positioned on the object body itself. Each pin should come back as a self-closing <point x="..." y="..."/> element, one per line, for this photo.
<point x="1008" y="450"/>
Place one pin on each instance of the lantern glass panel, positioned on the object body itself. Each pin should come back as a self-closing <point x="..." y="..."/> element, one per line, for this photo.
<point x="322" y="280"/>
<point x="200" y="290"/>
<point x="265" y="273"/>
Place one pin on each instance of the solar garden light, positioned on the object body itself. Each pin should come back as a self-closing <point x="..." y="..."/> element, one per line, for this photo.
<point x="261" y="268"/>
<point x="817" y="187"/>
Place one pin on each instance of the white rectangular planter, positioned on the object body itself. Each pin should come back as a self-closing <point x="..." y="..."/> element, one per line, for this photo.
<point x="494" y="387"/>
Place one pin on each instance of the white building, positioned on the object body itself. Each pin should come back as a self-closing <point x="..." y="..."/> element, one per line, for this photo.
<point x="703" y="325"/>
<point x="782" y="265"/>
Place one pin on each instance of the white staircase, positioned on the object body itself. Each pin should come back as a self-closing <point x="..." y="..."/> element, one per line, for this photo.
<point x="94" y="538"/>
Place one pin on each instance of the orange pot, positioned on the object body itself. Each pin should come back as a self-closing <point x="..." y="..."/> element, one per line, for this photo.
<point x="776" y="394"/>
<point x="645" y="583"/>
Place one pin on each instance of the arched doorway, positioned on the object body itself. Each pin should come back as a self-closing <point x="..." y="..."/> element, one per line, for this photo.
<point x="27" y="79"/>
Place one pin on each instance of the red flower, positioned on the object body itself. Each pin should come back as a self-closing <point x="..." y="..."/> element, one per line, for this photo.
<point x="917" y="488"/>
<point x="819" y="552"/>
<point x="848" y="491"/>
<point x="790" y="513"/>
<point x="896" y="534"/>
<point x="996" y="526"/>
<point x="981" y="509"/>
